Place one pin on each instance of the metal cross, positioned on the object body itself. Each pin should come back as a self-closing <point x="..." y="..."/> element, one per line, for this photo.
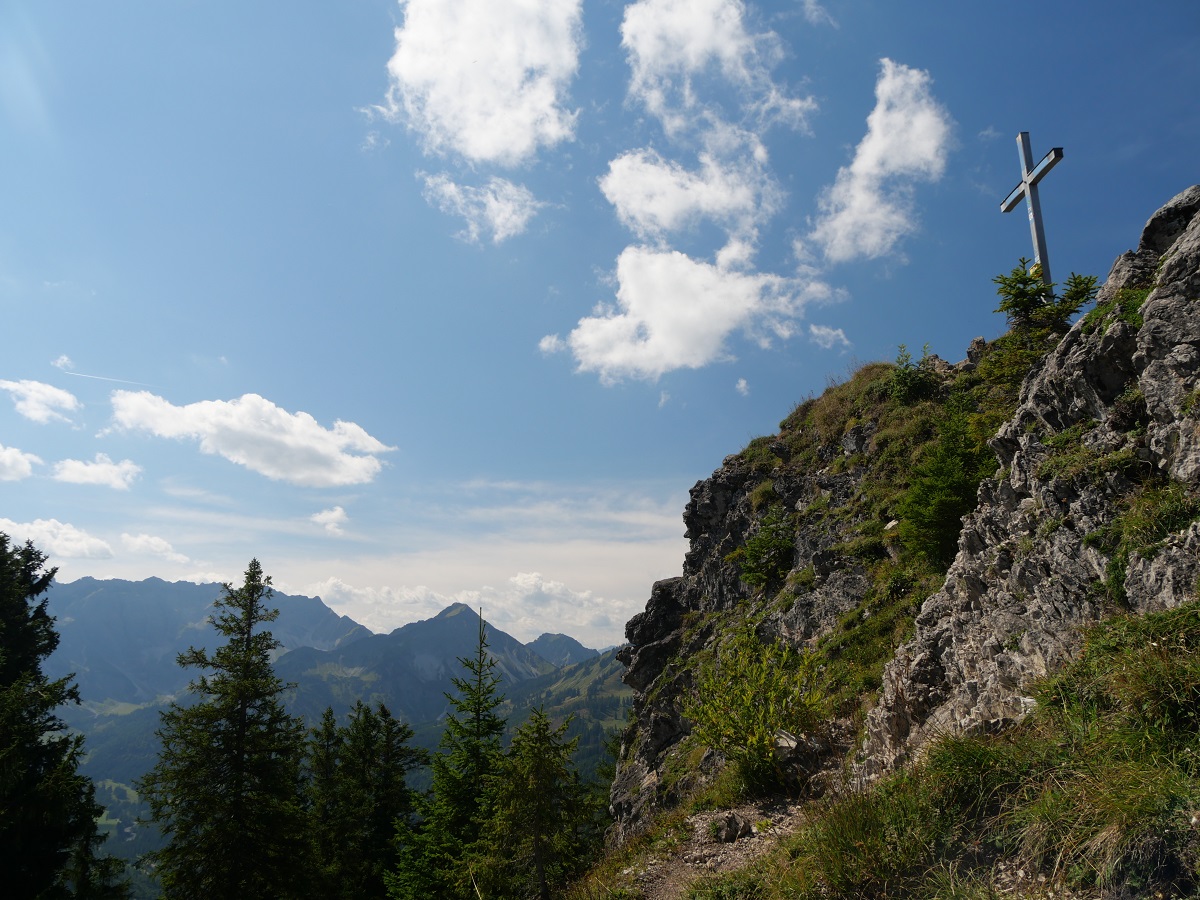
<point x="1030" y="176"/>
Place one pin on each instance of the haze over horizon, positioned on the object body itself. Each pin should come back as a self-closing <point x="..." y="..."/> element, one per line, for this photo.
<point x="431" y="301"/>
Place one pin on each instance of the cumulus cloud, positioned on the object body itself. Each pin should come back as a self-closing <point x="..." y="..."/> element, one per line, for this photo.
<point x="16" y="464"/>
<point x="64" y="363"/>
<point x="57" y="539"/>
<point x="253" y="432"/>
<point x="671" y="43"/>
<point x="331" y="520"/>
<point x="500" y="209"/>
<point x="869" y="207"/>
<point x="653" y="196"/>
<point x="41" y="402"/>
<point x="827" y="338"/>
<point x="742" y="387"/>
<point x="149" y="545"/>
<point x="520" y="606"/>
<point x="484" y="79"/>
<point x="676" y="312"/>
<point x="102" y="471"/>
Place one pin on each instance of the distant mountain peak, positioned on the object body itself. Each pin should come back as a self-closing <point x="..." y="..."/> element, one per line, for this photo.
<point x="456" y="609"/>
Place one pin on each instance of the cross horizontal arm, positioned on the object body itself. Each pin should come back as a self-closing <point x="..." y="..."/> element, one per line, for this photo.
<point x="1049" y="161"/>
<point x="1011" y="201"/>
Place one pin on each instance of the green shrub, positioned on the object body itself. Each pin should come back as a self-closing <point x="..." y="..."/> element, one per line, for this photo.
<point x="767" y="555"/>
<point x="746" y="696"/>
<point x="913" y="381"/>
<point x="1124" y="306"/>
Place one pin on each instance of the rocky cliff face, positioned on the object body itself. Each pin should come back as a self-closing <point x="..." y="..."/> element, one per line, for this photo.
<point x="1107" y="426"/>
<point x="1089" y="514"/>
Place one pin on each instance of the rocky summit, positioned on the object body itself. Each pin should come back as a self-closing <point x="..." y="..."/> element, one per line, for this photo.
<point x="1087" y="510"/>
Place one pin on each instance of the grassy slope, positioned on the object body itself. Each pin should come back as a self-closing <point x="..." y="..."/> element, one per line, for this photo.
<point x="1098" y="789"/>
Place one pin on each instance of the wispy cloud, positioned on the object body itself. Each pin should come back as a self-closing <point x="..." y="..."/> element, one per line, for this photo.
<point x="869" y="208"/>
<point x="827" y="338"/>
<point x="486" y="80"/>
<point x="41" y="402"/>
<point x="816" y="14"/>
<point x="499" y="210"/>
<point x="58" y="539"/>
<point x="253" y="432"/>
<point x="742" y="387"/>
<point x="16" y="464"/>
<point x="101" y="471"/>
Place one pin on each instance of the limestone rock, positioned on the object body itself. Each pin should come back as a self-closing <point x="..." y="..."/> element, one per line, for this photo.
<point x="1026" y="579"/>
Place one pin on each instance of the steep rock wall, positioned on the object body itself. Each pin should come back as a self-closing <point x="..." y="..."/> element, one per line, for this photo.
<point x="1113" y="407"/>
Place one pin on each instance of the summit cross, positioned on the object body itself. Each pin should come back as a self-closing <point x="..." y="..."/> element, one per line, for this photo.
<point x="1030" y="176"/>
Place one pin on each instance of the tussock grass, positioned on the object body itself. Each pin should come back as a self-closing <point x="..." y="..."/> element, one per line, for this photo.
<point x="1097" y="788"/>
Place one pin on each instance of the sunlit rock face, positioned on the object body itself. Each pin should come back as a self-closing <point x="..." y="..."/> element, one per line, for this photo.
<point x="1115" y="408"/>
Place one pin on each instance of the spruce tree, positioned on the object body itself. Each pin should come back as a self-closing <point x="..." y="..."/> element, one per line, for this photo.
<point x="358" y="792"/>
<point x="542" y="816"/>
<point x="432" y="854"/>
<point x="226" y="790"/>
<point x="48" y="834"/>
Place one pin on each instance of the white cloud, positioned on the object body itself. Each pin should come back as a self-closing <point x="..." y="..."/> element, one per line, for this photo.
<point x="331" y="520"/>
<point x="816" y="14"/>
<point x="653" y="196"/>
<point x="675" y="312"/>
<point x="253" y="432"/>
<point x="523" y="606"/>
<point x="64" y="363"/>
<point x="827" y="338"/>
<point x="742" y="387"/>
<point x="16" y="464"/>
<point x="869" y="207"/>
<point x="55" y="538"/>
<point x="671" y="43"/>
<point x="149" y="545"/>
<point x="102" y="471"/>
<point x="40" y="402"/>
<point x="501" y="209"/>
<point x="486" y="79"/>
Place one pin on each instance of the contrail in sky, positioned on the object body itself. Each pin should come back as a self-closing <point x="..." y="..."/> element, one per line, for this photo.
<point x="102" y="378"/>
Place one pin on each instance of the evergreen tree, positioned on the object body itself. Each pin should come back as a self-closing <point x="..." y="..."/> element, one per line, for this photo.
<point x="1030" y="303"/>
<point x="358" y="792"/>
<point x="48" y="834"/>
<point x="541" y="818"/>
<point x="226" y="790"/>
<point x="431" y="854"/>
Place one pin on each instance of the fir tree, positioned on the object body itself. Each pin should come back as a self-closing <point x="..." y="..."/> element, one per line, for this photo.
<point x="358" y="792"/>
<point x="453" y="816"/>
<point x="226" y="789"/>
<point x="48" y="834"/>
<point x="541" y="818"/>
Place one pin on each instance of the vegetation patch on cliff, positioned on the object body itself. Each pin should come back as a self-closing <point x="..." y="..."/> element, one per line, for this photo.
<point x="1100" y="786"/>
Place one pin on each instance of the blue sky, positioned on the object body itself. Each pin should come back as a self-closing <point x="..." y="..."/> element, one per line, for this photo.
<point x="455" y="299"/>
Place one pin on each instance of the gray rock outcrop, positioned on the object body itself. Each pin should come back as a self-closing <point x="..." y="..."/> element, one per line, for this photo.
<point x="1122" y="402"/>
<point x="1111" y="412"/>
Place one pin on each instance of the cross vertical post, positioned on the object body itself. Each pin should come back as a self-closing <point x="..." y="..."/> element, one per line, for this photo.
<point x="1027" y="189"/>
